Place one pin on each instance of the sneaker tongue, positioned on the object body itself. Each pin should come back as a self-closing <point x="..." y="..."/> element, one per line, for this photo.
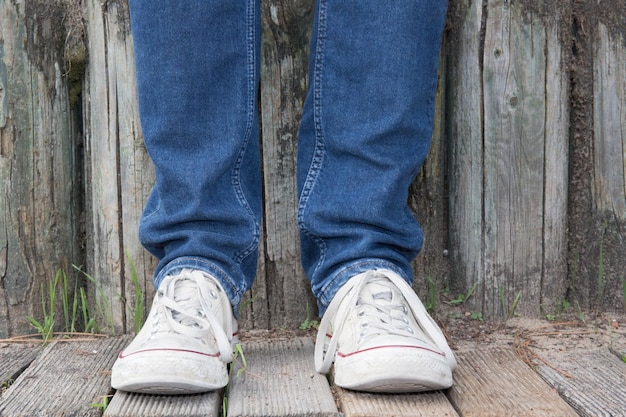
<point x="183" y="291"/>
<point x="385" y="297"/>
<point x="186" y="296"/>
<point x="380" y="294"/>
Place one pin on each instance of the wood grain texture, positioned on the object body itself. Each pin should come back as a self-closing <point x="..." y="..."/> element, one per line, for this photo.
<point x="286" y="27"/>
<point x="119" y="172"/>
<point x="556" y="155"/>
<point x="428" y="201"/>
<point x="514" y="108"/>
<point x="39" y="171"/>
<point x="609" y="114"/>
<point x="596" y="188"/>
<point x="125" y="404"/>
<point x="64" y="380"/>
<point x="279" y="380"/>
<point x="608" y="229"/>
<point x="464" y="130"/>
<point x="359" y="404"/>
<point x="509" y="153"/>
<point x="493" y="382"/>
<point x="596" y="386"/>
<point x="14" y="359"/>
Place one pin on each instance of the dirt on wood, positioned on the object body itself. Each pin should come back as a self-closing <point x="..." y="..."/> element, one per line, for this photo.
<point x="537" y="341"/>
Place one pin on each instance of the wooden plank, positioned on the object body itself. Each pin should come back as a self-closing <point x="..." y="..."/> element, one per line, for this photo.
<point x="610" y="120"/>
<point x="280" y="380"/>
<point x="596" y="386"/>
<point x="465" y="176"/>
<point x="105" y="258"/>
<point x="360" y="404"/>
<point x="64" y="380"/>
<point x="39" y="187"/>
<point x="119" y="171"/>
<point x="14" y="359"/>
<point x="126" y="404"/>
<point x="136" y="171"/>
<point x="514" y="132"/>
<point x="493" y="382"/>
<point x="609" y="162"/>
<point x="283" y="290"/>
<point x="554" y="280"/>
<point x="508" y="141"/>
<point x="596" y="216"/>
<point x="427" y="199"/>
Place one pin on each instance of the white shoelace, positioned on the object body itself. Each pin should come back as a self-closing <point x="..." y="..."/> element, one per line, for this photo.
<point x="388" y="319"/>
<point x="189" y="311"/>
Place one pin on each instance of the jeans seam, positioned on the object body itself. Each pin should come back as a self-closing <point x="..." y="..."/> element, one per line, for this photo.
<point x="318" y="152"/>
<point x="236" y="175"/>
<point x="157" y="196"/>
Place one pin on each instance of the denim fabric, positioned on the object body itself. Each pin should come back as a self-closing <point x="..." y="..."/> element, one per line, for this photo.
<point x="366" y="129"/>
<point x="364" y="134"/>
<point x="197" y="79"/>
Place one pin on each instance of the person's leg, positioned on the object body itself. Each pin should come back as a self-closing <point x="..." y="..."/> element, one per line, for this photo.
<point x="197" y="76"/>
<point x="366" y="130"/>
<point x="197" y="79"/>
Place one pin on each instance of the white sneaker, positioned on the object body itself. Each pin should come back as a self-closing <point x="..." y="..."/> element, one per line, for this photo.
<point x="381" y="338"/>
<point x="185" y="343"/>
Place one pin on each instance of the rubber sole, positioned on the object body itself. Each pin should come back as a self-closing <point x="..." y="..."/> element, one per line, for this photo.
<point x="167" y="372"/>
<point x="393" y="370"/>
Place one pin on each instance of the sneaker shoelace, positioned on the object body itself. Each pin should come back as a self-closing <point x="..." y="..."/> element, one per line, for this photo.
<point x="378" y="314"/>
<point x="188" y="310"/>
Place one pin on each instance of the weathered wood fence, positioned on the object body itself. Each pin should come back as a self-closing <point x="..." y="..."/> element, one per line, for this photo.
<point x="523" y="194"/>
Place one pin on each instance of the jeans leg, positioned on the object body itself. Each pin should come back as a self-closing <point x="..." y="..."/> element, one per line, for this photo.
<point x="365" y="132"/>
<point x="197" y="76"/>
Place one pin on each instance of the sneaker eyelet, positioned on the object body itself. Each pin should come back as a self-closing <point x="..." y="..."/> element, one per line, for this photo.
<point x="364" y="325"/>
<point x="200" y="313"/>
<point x="410" y="330"/>
<point x="213" y="294"/>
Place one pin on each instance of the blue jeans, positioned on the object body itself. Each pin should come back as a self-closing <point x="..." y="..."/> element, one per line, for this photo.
<point x="365" y="131"/>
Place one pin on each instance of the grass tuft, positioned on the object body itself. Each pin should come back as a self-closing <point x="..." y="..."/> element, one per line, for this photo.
<point x="433" y="296"/>
<point x="308" y="323"/>
<point x="138" y="311"/>
<point x="74" y="304"/>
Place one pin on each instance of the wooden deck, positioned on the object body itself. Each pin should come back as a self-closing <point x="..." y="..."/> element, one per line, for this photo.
<point x="72" y="379"/>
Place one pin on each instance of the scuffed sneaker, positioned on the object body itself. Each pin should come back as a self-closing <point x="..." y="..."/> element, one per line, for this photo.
<point x="185" y="343"/>
<point x="381" y="338"/>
